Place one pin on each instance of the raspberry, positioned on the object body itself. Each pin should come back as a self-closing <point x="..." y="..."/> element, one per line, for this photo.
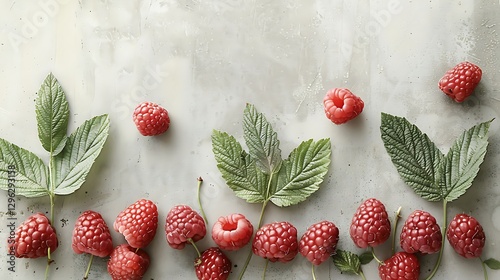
<point x="151" y="119"/>
<point x="138" y="223"/>
<point x="212" y="264"/>
<point x="127" y="263"/>
<point x="34" y="237"/>
<point x="276" y="242"/>
<point x="184" y="224"/>
<point x="319" y="242"/>
<point x="232" y="232"/>
<point x="91" y="235"/>
<point x="421" y="233"/>
<point x="466" y="236"/>
<point x="402" y="266"/>
<point x="341" y="105"/>
<point x="370" y="225"/>
<point x="460" y="81"/>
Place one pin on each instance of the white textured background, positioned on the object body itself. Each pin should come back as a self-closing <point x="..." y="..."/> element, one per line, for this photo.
<point x="203" y="61"/>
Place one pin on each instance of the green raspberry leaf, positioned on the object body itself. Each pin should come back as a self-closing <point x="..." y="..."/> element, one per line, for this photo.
<point x="262" y="141"/>
<point x="302" y="173"/>
<point x="347" y="262"/>
<point x="52" y="115"/>
<point x="414" y="155"/>
<point x="82" y="148"/>
<point x="238" y="168"/>
<point x="22" y="170"/>
<point x="461" y="164"/>
<point x="492" y="264"/>
<point x="366" y="257"/>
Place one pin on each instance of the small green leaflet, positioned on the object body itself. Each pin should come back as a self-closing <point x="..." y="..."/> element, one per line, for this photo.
<point x="28" y="173"/>
<point x="82" y="148"/>
<point x="432" y="175"/>
<point x="261" y="175"/>
<point x="262" y="141"/>
<point x="346" y="261"/>
<point x="52" y="115"/>
<point x="492" y="264"/>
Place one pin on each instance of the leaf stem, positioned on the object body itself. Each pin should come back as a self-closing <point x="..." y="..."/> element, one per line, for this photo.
<point x="443" y="241"/>
<point x="485" y="271"/>
<point x="362" y="274"/>
<point x="396" y="220"/>
<point x="200" y="181"/>
<point x="86" y="276"/>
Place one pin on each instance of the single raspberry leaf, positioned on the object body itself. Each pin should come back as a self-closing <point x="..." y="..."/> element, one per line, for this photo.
<point x="366" y="258"/>
<point x="414" y="155"/>
<point x="461" y="164"/>
<point x="84" y="145"/>
<point x="492" y="264"/>
<point x="261" y="140"/>
<point x="52" y="115"/>
<point x="22" y="171"/>
<point x="347" y="262"/>
<point x="301" y="173"/>
<point x="238" y="168"/>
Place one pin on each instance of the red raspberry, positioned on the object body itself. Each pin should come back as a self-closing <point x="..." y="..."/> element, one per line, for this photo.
<point x="232" y="232"/>
<point x="34" y="237"/>
<point x="91" y="235"/>
<point x="421" y="233"/>
<point x="319" y="242"/>
<point x="341" y="105"/>
<point x="127" y="263"/>
<point x="151" y="119"/>
<point x="466" y="236"/>
<point x="402" y="266"/>
<point x="184" y="224"/>
<point x="212" y="264"/>
<point x="460" y="81"/>
<point x="138" y="223"/>
<point x="370" y="225"/>
<point x="276" y="242"/>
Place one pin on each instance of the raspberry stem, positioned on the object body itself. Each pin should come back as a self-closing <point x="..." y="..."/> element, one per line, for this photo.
<point x="443" y="241"/>
<point x="265" y="269"/>
<point x="86" y="275"/>
<point x="312" y="272"/>
<point x="190" y="240"/>
<point x="484" y="268"/>
<point x="362" y="274"/>
<point x="375" y="256"/>
<point x="396" y="220"/>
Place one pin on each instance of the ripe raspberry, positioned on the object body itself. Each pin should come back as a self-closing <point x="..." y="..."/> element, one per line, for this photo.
<point x="370" y="225"/>
<point x="183" y="224"/>
<point x="276" y="242"/>
<point x="460" y="81"/>
<point x="138" y="223"/>
<point x="319" y="242"/>
<point x="212" y="264"/>
<point x="421" y="233"/>
<point x="402" y="266"/>
<point x="232" y="232"/>
<point x="466" y="236"/>
<point x="151" y="119"/>
<point x="34" y="237"/>
<point x="91" y="235"/>
<point x="341" y="105"/>
<point x="127" y="263"/>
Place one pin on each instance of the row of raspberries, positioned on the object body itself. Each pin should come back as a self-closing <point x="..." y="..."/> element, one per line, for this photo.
<point x="341" y="105"/>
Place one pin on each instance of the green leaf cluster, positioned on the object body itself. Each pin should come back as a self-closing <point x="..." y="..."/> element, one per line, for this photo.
<point x="70" y="157"/>
<point x="260" y="175"/>
<point x="430" y="173"/>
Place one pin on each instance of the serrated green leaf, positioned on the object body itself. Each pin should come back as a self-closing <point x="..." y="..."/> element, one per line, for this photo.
<point x="346" y="261"/>
<point x="492" y="264"/>
<point x="414" y="155"/>
<point x="461" y="164"/>
<point x="262" y="140"/>
<point x="302" y="173"/>
<point x="74" y="162"/>
<point x="52" y="115"/>
<point x="23" y="170"/>
<point x="238" y="169"/>
<point x="366" y="257"/>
